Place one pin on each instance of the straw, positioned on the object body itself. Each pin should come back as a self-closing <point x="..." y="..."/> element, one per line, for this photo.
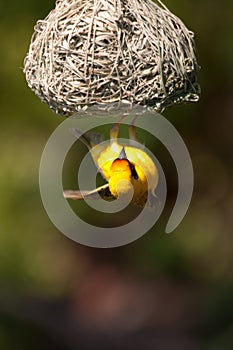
<point x="99" y="52"/>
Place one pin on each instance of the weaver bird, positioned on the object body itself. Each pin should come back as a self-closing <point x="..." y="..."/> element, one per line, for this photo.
<point x="125" y="168"/>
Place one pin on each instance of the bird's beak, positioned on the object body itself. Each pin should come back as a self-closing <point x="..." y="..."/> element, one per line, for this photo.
<point x="122" y="155"/>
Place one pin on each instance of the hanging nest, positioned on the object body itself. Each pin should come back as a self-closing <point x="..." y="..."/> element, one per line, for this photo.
<point x="98" y="52"/>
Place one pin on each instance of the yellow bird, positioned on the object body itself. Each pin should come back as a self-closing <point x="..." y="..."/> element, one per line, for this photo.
<point x="125" y="168"/>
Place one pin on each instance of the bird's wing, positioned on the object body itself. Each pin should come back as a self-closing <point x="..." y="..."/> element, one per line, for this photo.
<point x="102" y="191"/>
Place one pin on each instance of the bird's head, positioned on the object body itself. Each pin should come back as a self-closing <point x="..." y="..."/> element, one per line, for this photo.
<point x="122" y="176"/>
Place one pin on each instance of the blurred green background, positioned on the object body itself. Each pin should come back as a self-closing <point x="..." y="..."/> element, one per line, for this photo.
<point x="160" y="292"/>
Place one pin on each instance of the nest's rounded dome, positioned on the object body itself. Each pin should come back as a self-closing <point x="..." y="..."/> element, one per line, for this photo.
<point x="90" y="52"/>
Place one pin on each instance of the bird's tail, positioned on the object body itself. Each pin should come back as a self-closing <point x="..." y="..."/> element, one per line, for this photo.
<point x="90" y="139"/>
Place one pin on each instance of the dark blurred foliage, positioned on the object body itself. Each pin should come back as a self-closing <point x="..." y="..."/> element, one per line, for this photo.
<point x="160" y="292"/>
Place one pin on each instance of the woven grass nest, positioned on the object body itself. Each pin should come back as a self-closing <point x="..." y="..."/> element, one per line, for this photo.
<point x="100" y="52"/>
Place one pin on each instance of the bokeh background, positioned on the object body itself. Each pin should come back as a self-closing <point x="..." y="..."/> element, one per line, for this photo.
<point x="162" y="291"/>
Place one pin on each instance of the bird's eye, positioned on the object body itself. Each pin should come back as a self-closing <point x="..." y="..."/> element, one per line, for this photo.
<point x="133" y="171"/>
